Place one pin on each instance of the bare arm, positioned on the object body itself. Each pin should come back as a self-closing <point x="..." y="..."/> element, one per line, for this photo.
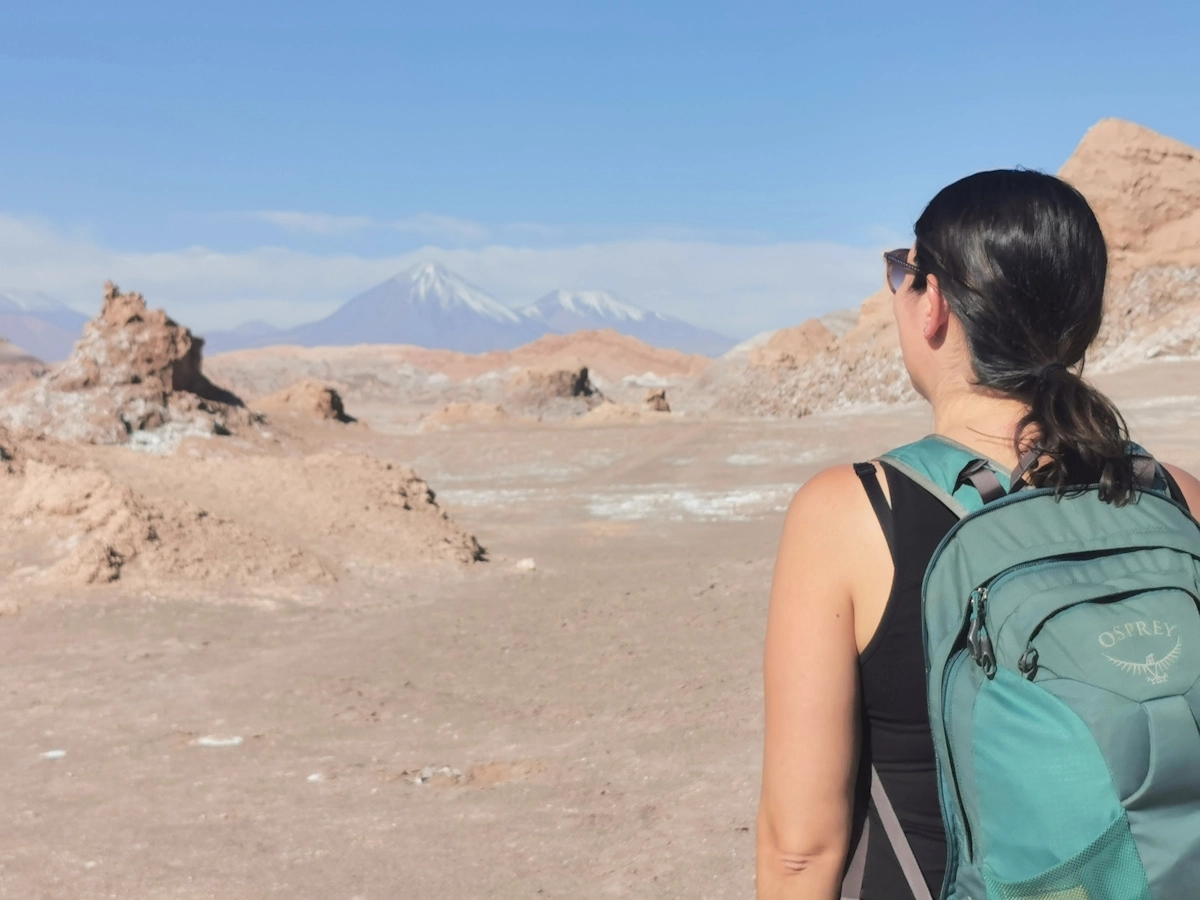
<point x="810" y="670"/>
<point x="1190" y="485"/>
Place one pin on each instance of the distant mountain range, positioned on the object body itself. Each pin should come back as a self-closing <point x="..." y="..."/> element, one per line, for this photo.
<point x="430" y="306"/>
<point x="426" y="305"/>
<point x="565" y="311"/>
<point x="39" y="324"/>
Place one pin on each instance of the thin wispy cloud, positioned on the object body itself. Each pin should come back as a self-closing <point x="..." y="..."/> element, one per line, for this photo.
<point x="428" y="225"/>
<point x="455" y="231"/>
<point x="312" y="223"/>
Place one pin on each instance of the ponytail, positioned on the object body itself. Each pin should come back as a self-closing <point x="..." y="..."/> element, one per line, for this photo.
<point x="1082" y="435"/>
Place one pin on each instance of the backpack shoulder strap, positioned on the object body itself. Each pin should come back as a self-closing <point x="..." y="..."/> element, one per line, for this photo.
<point x="1151" y="475"/>
<point x="956" y="475"/>
<point x="1175" y="490"/>
<point x="852" y="883"/>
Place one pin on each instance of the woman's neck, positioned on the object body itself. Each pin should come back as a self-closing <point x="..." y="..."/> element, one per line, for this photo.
<point x="983" y="422"/>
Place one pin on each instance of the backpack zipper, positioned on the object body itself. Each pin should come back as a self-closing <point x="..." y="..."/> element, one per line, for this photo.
<point x="978" y="635"/>
<point x="1027" y="665"/>
<point x="966" y="826"/>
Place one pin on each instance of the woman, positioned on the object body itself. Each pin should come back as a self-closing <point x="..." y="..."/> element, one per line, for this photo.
<point x="995" y="304"/>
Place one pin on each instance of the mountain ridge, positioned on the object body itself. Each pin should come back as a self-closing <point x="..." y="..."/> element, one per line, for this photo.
<point x="566" y="311"/>
<point x="39" y="324"/>
<point x="427" y="305"/>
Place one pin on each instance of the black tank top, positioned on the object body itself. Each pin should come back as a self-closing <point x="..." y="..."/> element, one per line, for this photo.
<point x="896" y="736"/>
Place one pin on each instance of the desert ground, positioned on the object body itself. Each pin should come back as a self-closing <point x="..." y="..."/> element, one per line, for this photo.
<point x="391" y="622"/>
<point x="588" y="727"/>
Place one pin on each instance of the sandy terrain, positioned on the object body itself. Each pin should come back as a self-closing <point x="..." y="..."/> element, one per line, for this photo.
<point x="587" y="728"/>
<point x="379" y="622"/>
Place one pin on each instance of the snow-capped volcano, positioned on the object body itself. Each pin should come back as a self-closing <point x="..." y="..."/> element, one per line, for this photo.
<point x="425" y="305"/>
<point x="586" y="304"/>
<point x="429" y="283"/>
<point x="567" y="311"/>
<point x="432" y="307"/>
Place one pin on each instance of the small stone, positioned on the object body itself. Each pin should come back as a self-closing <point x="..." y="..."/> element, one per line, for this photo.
<point x="216" y="740"/>
<point x="527" y="564"/>
<point x="427" y="773"/>
<point x="315" y="777"/>
<point x="656" y="400"/>
<point x="54" y="754"/>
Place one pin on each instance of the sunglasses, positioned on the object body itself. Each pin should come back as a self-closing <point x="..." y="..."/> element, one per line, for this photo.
<point x="898" y="267"/>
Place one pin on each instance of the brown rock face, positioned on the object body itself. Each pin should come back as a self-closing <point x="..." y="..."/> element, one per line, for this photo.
<point x="863" y="366"/>
<point x="1156" y="315"/>
<point x="559" y="383"/>
<point x="309" y="399"/>
<point x="565" y="391"/>
<point x="792" y="347"/>
<point x="1145" y="189"/>
<point x="133" y="371"/>
<point x="876" y="325"/>
<point x="656" y="400"/>
<point x="110" y="530"/>
<point x="128" y="344"/>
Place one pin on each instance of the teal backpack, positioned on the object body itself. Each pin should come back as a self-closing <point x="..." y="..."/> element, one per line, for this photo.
<point x="1062" y="654"/>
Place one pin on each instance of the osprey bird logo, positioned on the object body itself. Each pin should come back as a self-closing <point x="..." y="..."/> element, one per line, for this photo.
<point x="1155" y="670"/>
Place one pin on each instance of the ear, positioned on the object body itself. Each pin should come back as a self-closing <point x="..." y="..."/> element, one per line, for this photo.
<point x="937" y="311"/>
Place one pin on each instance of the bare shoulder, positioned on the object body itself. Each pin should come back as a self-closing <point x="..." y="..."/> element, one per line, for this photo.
<point x="834" y="499"/>
<point x="1189" y="484"/>
<point x="833" y="555"/>
<point x="829" y="515"/>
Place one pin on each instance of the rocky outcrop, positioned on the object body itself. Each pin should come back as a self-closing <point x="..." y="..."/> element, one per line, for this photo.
<point x="656" y="400"/>
<point x="135" y="374"/>
<point x="97" y="531"/>
<point x="1155" y="316"/>
<point x="809" y="369"/>
<point x="1145" y="189"/>
<point x="16" y="365"/>
<point x="552" y="391"/>
<point x="790" y="348"/>
<point x="307" y="399"/>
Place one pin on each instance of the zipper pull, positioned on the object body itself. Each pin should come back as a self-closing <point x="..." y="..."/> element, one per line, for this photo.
<point x="974" y="629"/>
<point x="1027" y="665"/>
<point x="981" y="644"/>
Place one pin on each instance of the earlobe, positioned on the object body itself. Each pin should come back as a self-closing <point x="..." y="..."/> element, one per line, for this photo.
<point x="937" y="312"/>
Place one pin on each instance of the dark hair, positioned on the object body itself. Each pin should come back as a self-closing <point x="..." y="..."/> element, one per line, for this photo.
<point x="1021" y="261"/>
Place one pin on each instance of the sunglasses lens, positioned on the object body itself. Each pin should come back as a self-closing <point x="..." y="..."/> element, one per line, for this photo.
<point x="895" y="276"/>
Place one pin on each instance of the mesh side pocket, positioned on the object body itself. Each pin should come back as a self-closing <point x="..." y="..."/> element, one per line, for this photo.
<point x="1108" y="869"/>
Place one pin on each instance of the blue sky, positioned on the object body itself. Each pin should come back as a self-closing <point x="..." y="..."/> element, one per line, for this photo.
<point x="740" y="165"/>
